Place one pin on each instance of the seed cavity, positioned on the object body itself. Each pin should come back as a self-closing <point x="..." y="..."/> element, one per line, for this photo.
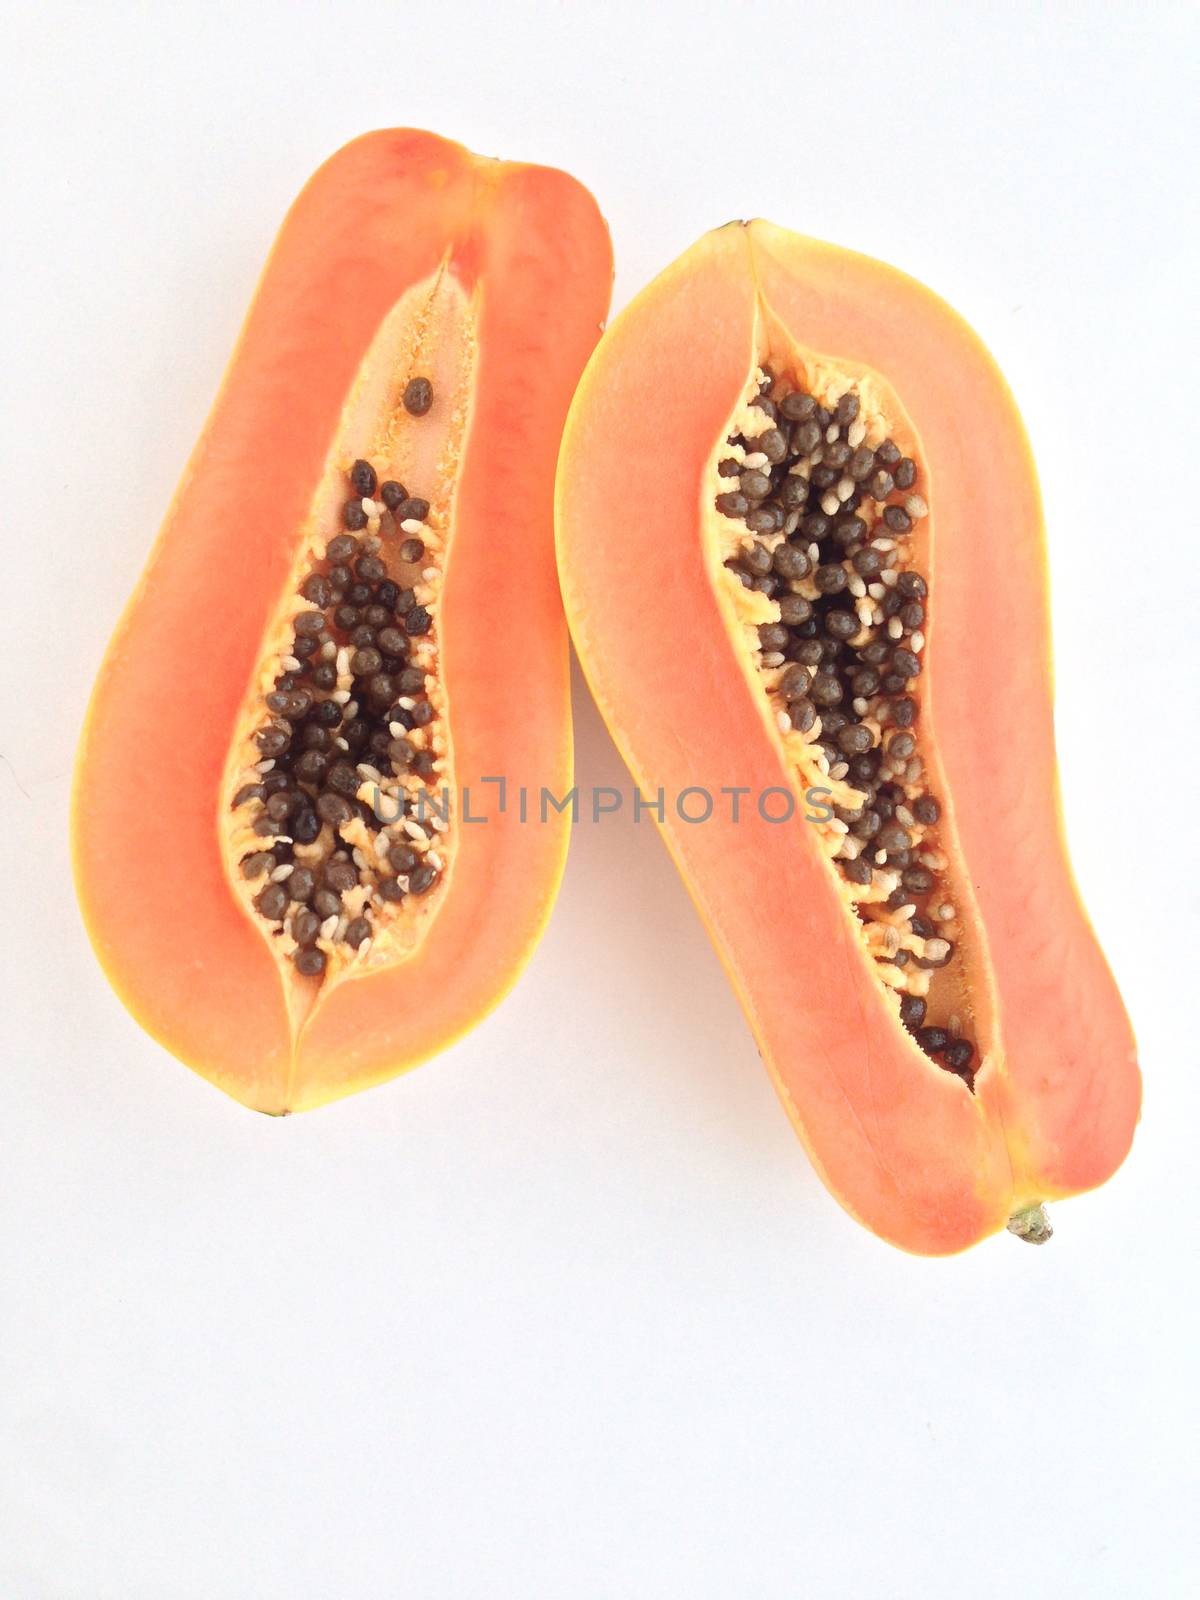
<point x="828" y="505"/>
<point x="350" y="742"/>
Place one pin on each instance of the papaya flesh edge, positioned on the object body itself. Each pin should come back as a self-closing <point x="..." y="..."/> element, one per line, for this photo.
<point x="906" y="1147"/>
<point x="516" y="257"/>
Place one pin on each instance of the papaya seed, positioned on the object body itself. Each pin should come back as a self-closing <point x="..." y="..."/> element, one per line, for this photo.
<point x="335" y="697"/>
<point x="814" y="482"/>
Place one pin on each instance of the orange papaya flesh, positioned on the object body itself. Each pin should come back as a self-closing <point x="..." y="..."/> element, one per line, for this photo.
<point x="350" y="620"/>
<point x="726" y="675"/>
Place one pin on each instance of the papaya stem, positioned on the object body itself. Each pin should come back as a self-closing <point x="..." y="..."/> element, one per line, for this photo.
<point x="1032" y="1224"/>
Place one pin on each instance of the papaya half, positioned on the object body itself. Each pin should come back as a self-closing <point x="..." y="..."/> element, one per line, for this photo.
<point x="348" y="633"/>
<point x="815" y="617"/>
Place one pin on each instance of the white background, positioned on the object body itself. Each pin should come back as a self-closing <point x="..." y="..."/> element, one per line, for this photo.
<point x="566" y="1313"/>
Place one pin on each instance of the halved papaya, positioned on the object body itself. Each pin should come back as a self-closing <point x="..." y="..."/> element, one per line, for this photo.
<point x="818" y="630"/>
<point x="294" y="849"/>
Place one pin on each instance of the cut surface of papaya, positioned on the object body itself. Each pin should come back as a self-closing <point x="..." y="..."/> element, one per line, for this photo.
<point x="833" y="675"/>
<point x="349" y="625"/>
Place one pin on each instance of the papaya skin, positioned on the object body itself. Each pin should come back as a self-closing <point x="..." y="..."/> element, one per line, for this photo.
<point x="528" y="252"/>
<point x="906" y="1147"/>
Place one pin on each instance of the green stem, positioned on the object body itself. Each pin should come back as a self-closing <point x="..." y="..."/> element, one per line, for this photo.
<point x="1032" y="1224"/>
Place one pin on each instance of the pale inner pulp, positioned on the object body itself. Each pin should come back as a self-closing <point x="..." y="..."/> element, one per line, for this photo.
<point x="431" y="333"/>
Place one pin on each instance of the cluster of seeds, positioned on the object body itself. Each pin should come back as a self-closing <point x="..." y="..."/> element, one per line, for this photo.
<point x="350" y="738"/>
<point x="827" y="513"/>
